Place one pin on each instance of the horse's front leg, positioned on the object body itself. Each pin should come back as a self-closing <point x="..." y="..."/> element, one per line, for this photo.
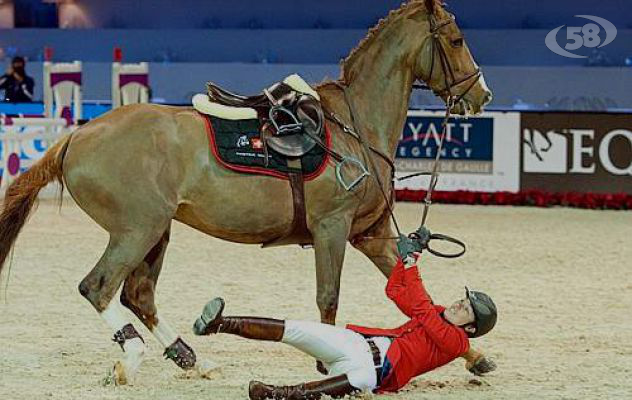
<point x="330" y="239"/>
<point x="383" y="253"/>
<point x="377" y="247"/>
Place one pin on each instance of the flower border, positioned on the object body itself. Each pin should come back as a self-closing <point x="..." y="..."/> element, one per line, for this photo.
<point x="534" y="198"/>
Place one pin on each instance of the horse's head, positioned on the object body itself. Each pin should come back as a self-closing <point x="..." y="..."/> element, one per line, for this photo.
<point x="445" y="63"/>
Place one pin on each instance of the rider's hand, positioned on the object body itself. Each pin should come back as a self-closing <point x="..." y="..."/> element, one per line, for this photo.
<point x="481" y="366"/>
<point x="411" y="259"/>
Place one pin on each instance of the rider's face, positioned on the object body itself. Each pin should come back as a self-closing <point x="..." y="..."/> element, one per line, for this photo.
<point x="460" y="313"/>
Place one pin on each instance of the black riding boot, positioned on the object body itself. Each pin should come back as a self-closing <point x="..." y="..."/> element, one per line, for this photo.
<point x="336" y="387"/>
<point x="211" y="321"/>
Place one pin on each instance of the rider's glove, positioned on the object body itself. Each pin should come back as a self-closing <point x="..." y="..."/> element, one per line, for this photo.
<point x="415" y="242"/>
<point x="482" y="366"/>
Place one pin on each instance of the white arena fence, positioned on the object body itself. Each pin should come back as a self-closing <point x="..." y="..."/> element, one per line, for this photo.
<point x="23" y="141"/>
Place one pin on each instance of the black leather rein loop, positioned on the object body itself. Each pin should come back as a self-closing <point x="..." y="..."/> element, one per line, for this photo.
<point x="446" y="238"/>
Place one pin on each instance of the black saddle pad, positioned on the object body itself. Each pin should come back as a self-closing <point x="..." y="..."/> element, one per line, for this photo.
<point x="238" y="146"/>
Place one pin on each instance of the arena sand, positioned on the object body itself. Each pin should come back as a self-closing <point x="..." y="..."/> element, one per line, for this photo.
<point x="561" y="279"/>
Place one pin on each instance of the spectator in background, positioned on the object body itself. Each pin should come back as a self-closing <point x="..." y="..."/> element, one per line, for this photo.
<point x="17" y="86"/>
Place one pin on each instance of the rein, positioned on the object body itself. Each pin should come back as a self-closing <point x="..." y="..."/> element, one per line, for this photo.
<point x="420" y="239"/>
<point x="333" y="117"/>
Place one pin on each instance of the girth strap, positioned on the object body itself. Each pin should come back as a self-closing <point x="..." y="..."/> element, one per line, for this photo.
<point x="298" y="232"/>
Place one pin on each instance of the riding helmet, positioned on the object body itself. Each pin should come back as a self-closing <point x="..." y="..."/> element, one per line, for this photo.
<point x="484" y="311"/>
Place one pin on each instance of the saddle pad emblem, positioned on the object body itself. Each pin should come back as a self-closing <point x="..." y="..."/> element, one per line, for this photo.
<point x="243" y="141"/>
<point x="256" y="143"/>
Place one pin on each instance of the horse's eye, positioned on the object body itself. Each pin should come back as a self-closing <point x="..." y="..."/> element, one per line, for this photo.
<point x="457" y="42"/>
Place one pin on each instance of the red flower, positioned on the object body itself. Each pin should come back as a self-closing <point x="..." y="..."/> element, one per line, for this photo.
<point x="614" y="201"/>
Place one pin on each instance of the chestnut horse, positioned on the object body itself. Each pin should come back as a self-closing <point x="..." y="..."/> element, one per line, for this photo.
<point x="139" y="167"/>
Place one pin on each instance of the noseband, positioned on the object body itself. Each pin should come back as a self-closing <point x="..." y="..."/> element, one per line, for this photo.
<point x="449" y="78"/>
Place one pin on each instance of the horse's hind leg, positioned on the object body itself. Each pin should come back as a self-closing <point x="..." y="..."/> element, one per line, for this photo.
<point x="138" y="295"/>
<point x="123" y="254"/>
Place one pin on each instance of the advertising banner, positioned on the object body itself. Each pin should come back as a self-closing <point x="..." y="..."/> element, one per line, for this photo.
<point x="479" y="153"/>
<point x="577" y="152"/>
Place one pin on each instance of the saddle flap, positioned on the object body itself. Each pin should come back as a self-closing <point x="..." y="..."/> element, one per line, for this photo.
<point x="291" y="145"/>
<point x="309" y="115"/>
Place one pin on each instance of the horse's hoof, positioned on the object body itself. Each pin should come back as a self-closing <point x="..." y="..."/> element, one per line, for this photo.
<point x="119" y="377"/>
<point x="115" y="376"/>
<point x="182" y="354"/>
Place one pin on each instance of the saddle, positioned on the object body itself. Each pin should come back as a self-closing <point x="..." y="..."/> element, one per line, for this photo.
<point x="291" y="122"/>
<point x="289" y="112"/>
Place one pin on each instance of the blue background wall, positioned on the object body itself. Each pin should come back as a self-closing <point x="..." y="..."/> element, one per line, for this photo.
<point x="490" y="47"/>
<point x="247" y="44"/>
<point x="347" y="14"/>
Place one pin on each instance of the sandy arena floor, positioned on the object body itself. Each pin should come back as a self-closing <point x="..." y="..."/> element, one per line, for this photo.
<point x="560" y="277"/>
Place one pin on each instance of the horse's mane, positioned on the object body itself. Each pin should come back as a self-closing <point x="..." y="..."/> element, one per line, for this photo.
<point x="346" y="64"/>
<point x="406" y="8"/>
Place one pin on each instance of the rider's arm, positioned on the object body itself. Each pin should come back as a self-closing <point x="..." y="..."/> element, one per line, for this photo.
<point x="395" y="282"/>
<point x="471" y="356"/>
<point x="406" y="290"/>
<point x="448" y="338"/>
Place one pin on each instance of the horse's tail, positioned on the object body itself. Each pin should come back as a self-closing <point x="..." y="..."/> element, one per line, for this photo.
<point x="22" y="193"/>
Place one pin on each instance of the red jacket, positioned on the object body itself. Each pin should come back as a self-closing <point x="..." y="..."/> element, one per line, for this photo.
<point x="426" y="341"/>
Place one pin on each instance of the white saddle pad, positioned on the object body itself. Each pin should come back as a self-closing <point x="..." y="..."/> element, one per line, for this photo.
<point x="297" y="83"/>
<point x="202" y="104"/>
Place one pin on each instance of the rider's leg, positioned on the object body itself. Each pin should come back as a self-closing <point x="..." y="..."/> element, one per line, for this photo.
<point x="343" y="352"/>
<point x="212" y="321"/>
<point x="324" y="342"/>
<point x="336" y="387"/>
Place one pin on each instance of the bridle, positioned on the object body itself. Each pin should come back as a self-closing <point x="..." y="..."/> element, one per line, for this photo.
<point x="449" y="77"/>
<point x="451" y="101"/>
<point x="419" y="239"/>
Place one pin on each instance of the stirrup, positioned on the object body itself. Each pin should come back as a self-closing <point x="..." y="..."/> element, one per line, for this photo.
<point x="356" y="181"/>
<point x="285" y="129"/>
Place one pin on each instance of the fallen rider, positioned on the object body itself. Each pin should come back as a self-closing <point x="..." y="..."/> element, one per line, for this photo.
<point x="368" y="359"/>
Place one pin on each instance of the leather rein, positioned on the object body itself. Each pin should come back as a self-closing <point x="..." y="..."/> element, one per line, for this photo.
<point x="450" y="83"/>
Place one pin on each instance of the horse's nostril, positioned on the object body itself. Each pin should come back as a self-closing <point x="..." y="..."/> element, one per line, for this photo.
<point x="488" y="97"/>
